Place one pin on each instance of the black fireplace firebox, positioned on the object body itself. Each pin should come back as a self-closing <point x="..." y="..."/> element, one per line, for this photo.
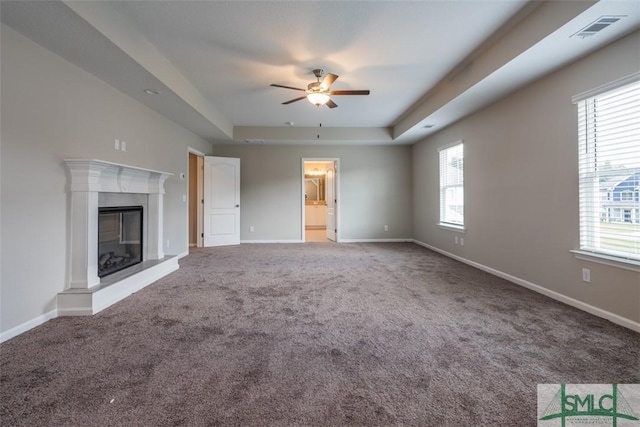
<point x="119" y="238"/>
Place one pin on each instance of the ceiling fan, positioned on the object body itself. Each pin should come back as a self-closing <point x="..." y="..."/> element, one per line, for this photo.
<point x="318" y="92"/>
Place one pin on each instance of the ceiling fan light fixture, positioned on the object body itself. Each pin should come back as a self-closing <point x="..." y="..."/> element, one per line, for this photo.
<point x="318" y="92"/>
<point x="318" y="99"/>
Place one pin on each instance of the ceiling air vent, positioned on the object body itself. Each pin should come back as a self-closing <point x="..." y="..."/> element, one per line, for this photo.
<point x="597" y="26"/>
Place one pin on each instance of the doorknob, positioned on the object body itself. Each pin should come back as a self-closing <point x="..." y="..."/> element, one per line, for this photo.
<point x="237" y="206"/>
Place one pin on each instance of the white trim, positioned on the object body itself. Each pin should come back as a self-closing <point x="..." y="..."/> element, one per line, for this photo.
<point x="272" y="241"/>
<point x="29" y="324"/>
<point x="338" y="180"/>
<point x="196" y="152"/>
<point x="90" y="175"/>
<point x="443" y="189"/>
<point x="83" y="302"/>
<point x="632" y="78"/>
<point x="611" y="261"/>
<point x="451" y="144"/>
<point x="614" y="318"/>
<point x="199" y="185"/>
<point x="183" y="254"/>
<point x="452" y="227"/>
<point x="68" y="312"/>
<point x="401" y="240"/>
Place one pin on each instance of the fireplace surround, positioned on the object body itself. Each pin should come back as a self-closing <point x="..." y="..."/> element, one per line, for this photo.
<point x="96" y="185"/>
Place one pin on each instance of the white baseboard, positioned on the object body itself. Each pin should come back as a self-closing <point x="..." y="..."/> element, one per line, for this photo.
<point x="614" y="318"/>
<point x="271" y="241"/>
<point x="30" y="324"/>
<point x="405" y="240"/>
<point x="182" y="254"/>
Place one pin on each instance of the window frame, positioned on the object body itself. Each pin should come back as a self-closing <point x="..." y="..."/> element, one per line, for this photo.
<point x="443" y="189"/>
<point x="588" y="250"/>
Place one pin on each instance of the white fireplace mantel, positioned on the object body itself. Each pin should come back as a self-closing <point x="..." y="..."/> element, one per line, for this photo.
<point x="88" y="179"/>
<point x="106" y="177"/>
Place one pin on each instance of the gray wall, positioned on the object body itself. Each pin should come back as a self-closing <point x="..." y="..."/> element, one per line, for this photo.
<point x="375" y="190"/>
<point x="52" y="110"/>
<point x="521" y="185"/>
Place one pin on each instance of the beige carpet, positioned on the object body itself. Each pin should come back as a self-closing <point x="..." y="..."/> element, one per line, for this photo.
<point x="311" y="334"/>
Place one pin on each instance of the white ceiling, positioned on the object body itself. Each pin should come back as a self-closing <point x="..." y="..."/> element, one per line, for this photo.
<point x="425" y="62"/>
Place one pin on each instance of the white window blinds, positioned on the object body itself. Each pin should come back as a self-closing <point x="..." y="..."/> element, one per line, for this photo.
<point x="609" y="172"/>
<point x="452" y="185"/>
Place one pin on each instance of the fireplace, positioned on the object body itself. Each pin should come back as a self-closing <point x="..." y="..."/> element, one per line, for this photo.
<point x="119" y="238"/>
<point x="116" y="220"/>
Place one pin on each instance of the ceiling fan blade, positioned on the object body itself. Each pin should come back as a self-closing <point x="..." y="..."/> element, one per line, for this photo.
<point x="349" y="92"/>
<point x="328" y="81"/>
<point x="294" y="100"/>
<point x="288" y="87"/>
<point x="331" y="104"/>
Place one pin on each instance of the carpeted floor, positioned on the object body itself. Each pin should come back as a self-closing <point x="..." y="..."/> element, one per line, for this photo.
<point x="311" y="334"/>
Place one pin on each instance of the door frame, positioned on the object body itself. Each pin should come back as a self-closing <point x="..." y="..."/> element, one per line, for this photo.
<point x="199" y="195"/>
<point x="337" y="183"/>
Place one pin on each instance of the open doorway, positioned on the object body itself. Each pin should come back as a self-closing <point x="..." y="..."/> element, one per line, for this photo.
<point x="196" y="196"/>
<point x="320" y="200"/>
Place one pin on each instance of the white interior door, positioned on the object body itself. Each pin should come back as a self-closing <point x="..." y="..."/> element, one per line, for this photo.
<point x="221" y="201"/>
<point x="331" y="201"/>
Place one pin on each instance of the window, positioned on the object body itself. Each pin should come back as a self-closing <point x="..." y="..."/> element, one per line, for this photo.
<point x="452" y="186"/>
<point x="609" y="163"/>
<point x="626" y="196"/>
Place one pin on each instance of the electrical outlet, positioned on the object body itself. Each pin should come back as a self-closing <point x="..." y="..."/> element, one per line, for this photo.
<point x="184" y="197"/>
<point x="462" y="241"/>
<point x="455" y="239"/>
<point x="386" y="228"/>
<point x="251" y="229"/>
<point x="117" y="144"/>
<point x="586" y="275"/>
<point x="123" y="145"/>
<point x="167" y="242"/>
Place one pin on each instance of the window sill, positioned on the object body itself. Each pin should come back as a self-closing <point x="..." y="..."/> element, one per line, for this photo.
<point x="609" y="260"/>
<point x="451" y="227"/>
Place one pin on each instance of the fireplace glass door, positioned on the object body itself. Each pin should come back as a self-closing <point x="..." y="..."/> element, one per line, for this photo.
<point x="119" y="238"/>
